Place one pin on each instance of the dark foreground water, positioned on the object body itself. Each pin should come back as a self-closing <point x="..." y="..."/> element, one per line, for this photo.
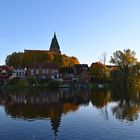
<point x="70" y="115"/>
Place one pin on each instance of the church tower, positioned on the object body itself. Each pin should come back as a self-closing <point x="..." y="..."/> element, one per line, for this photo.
<point x="54" y="47"/>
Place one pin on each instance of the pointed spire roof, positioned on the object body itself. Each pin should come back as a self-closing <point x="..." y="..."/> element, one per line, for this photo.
<point x="54" y="47"/>
<point x="55" y="123"/>
<point x="54" y="35"/>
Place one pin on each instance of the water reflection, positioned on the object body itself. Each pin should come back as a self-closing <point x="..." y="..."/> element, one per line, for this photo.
<point x="128" y="105"/>
<point x="53" y="104"/>
<point x="99" y="99"/>
<point x="43" y="104"/>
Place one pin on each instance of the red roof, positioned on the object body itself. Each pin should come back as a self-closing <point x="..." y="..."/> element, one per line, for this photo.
<point x="5" y="68"/>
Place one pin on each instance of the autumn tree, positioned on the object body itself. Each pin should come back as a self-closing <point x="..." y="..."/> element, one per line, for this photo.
<point x="73" y="60"/>
<point x="125" y="61"/>
<point x="99" y="72"/>
<point x="50" y="56"/>
<point x="27" y="58"/>
<point x="134" y="74"/>
<point x="15" y="59"/>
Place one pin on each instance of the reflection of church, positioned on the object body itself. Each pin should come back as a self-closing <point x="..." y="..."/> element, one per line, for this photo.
<point x="44" y="104"/>
<point x="52" y="105"/>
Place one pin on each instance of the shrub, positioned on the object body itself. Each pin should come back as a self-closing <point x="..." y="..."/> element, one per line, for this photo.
<point x="18" y="83"/>
<point x="31" y="80"/>
<point x="53" y="83"/>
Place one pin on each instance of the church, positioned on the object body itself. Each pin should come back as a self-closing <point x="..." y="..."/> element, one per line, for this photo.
<point x="54" y="47"/>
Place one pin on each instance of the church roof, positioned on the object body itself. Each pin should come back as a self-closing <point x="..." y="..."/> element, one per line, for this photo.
<point x="54" y="47"/>
<point x="35" y="50"/>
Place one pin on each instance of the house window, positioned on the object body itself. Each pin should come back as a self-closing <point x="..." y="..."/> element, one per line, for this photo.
<point x="46" y="71"/>
<point x="37" y="71"/>
<point x="54" y="71"/>
<point x="32" y="71"/>
<point x="43" y="71"/>
<point x="17" y="73"/>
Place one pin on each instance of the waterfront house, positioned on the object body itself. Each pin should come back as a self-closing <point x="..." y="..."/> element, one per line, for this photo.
<point x="44" y="70"/>
<point x="5" y="72"/>
<point x="81" y="72"/>
<point x="20" y="72"/>
<point x="67" y="73"/>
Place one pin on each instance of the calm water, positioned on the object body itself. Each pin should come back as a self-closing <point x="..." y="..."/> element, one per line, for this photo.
<point x="70" y="115"/>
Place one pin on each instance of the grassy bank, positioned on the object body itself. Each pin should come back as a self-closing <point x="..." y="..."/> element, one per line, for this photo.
<point x="30" y="82"/>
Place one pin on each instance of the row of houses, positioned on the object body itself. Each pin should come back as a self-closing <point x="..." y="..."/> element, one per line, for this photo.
<point x="48" y="70"/>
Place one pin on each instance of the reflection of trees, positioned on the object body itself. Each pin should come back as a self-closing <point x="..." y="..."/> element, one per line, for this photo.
<point x="52" y="105"/>
<point x="42" y="104"/>
<point x="100" y="98"/>
<point x="128" y="106"/>
<point x="127" y="101"/>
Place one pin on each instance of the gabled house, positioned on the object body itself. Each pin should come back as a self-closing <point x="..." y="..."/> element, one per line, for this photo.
<point x="5" y="72"/>
<point x="81" y="72"/>
<point x="111" y="67"/>
<point x="20" y="72"/>
<point x="67" y="73"/>
<point x="44" y="70"/>
<point x="78" y="68"/>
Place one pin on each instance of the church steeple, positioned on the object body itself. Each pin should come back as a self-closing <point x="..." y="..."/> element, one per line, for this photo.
<point x="54" y="47"/>
<point x="54" y="35"/>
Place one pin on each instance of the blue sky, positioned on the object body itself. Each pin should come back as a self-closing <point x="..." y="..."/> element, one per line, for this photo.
<point x="85" y="28"/>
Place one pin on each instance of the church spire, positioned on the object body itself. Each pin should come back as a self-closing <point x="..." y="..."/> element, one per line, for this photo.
<point x="54" y="47"/>
<point x="54" y="35"/>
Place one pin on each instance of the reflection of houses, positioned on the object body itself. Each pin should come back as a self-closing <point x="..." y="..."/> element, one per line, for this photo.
<point x="44" y="104"/>
<point x="48" y="70"/>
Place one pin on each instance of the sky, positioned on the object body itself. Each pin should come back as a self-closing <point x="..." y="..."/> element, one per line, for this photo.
<point x="85" y="28"/>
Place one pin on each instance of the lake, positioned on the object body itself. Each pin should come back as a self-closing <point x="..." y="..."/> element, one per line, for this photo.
<point x="70" y="114"/>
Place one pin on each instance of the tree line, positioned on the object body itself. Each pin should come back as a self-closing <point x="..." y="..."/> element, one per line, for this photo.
<point x="25" y="59"/>
<point x="126" y="71"/>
